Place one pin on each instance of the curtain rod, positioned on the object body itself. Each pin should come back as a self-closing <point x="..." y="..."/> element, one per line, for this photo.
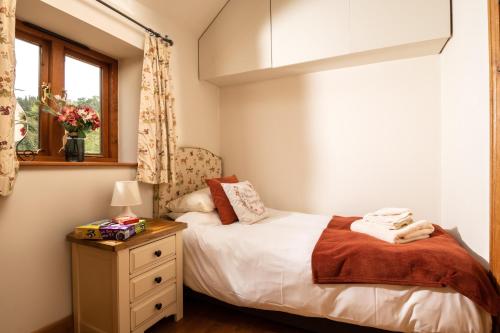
<point x="151" y="31"/>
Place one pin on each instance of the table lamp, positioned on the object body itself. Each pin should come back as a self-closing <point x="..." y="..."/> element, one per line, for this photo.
<point x="126" y="194"/>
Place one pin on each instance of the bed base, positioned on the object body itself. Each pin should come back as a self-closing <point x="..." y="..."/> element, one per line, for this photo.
<point x="315" y="325"/>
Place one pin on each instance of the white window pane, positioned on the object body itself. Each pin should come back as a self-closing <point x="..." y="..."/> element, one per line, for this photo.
<point x="83" y="85"/>
<point x="27" y="89"/>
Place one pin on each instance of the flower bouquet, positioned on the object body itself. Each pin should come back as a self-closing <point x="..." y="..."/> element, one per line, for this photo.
<point x="77" y="120"/>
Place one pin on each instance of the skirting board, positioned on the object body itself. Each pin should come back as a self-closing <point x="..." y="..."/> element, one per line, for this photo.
<point x="315" y="325"/>
<point x="64" y="325"/>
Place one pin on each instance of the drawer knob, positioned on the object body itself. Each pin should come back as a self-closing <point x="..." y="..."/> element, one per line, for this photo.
<point x="158" y="306"/>
<point x="158" y="279"/>
<point x="158" y="253"/>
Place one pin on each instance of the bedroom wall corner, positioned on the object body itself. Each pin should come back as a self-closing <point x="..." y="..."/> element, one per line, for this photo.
<point x="465" y="127"/>
<point x="196" y="102"/>
<point x="129" y="84"/>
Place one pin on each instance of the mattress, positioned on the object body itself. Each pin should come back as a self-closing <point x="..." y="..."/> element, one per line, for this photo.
<point x="267" y="266"/>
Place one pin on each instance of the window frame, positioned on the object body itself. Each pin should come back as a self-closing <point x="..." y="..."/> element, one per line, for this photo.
<point x="43" y="119"/>
<point x="53" y="53"/>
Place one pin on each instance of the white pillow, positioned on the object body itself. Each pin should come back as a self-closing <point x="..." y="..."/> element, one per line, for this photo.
<point x="245" y="202"/>
<point x="198" y="201"/>
<point x="174" y="216"/>
<point x="200" y="219"/>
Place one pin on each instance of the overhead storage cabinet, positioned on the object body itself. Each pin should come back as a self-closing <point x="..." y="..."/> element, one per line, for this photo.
<point x="261" y="39"/>
<point x="305" y="30"/>
<point x="237" y="41"/>
<point x="377" y="24"/>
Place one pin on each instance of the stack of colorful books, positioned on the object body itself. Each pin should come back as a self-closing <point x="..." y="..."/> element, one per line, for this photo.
<point x="110" y="229"/>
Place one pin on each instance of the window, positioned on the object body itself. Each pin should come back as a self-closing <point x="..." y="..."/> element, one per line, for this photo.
<point x="27" y="86"/>
<point x="88" y="77"/>
<point x="76" y="72"/>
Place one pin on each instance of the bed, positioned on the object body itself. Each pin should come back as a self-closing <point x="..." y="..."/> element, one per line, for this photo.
<point x="268" y="266"/>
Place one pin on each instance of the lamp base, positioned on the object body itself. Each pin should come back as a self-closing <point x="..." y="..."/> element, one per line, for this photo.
<point x="127" y="212"/>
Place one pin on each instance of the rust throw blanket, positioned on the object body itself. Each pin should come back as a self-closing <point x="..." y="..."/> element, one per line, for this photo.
<point x="343" y="256"/>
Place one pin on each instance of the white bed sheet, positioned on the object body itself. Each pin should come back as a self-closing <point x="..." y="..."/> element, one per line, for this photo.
<point x="267" y="266"/>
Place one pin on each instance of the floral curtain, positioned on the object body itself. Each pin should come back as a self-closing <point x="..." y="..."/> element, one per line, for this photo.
<point x="156" y="138"/>
<point x="8" y="160"/>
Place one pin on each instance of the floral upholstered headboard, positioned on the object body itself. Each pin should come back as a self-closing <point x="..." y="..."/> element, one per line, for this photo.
<point x="193" y="166"/>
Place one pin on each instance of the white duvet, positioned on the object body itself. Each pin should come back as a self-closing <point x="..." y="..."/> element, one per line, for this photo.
<point x="267" y="266"/>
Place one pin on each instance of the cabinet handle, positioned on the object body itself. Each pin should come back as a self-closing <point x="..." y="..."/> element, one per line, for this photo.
<point x="158" y="253"/>
<point x="158" y="279"/>
<point x="158" y="306"/>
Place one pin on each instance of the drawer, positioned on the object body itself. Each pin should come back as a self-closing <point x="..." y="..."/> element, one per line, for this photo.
<point x="152" y="279"/>
<point x="153" y="305"/>
<point x="148" y="254"/>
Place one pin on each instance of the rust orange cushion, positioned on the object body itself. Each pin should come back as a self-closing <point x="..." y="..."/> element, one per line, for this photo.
<point x="222" y="204"/>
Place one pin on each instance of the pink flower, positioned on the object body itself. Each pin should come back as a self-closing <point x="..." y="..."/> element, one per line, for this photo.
<point x="79" y="117"/>
<point x="71" y="119"/>
<point x="95" y="126"/>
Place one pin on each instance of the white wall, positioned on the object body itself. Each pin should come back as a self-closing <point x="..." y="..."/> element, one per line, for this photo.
<point x="129" y="83"/>
<point x="344" y="141"/>
<point x="47" y="203"/>
<point x="465" y="126"/>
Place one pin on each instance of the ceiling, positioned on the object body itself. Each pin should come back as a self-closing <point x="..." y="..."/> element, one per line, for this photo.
<point x="196" y="15"/>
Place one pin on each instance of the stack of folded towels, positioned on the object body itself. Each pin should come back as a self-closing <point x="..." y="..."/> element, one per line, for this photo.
<point x="393" y="225"/>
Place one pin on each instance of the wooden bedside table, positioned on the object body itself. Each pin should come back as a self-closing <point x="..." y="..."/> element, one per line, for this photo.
<point x="123" y="287"/>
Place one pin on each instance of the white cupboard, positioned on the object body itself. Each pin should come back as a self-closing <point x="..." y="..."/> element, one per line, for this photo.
<point x="377" y="24"/>
<point x="260" y="39"/>
<point x="308" y="30"/>
<point x="237" y="41"/>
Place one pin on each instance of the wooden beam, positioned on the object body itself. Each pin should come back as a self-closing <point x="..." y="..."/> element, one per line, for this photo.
<point x="494" y="36"/>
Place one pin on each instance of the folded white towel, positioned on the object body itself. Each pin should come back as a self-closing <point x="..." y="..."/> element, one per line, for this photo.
<point x="391" y="211"/>
<point x="393" y="222"/>
<point x="394" y="218"/>
<point x="415" y="231"/>
<point x="422" y="227"/>
<point x="409" y="240"/>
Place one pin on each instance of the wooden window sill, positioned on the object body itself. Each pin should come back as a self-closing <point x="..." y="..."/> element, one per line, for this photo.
<point x="75" y="164"/>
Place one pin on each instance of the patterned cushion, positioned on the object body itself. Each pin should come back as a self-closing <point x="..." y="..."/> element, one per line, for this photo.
<point x="245" y="202"/>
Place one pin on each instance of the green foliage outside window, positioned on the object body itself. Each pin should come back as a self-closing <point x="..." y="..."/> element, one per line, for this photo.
<point x="31" y="108"/>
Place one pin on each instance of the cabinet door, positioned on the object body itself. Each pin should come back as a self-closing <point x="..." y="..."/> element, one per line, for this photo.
<point x="378" y="24"/>
<point x="308" y="30"/>
<point x="238" y="41"/>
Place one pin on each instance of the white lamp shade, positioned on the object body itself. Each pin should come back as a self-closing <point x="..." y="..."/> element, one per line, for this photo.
<point x="126" y="193"/>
